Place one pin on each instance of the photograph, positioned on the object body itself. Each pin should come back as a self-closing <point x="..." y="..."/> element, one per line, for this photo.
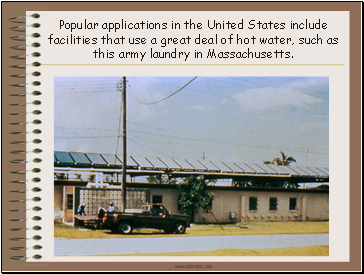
<point x="191" y="166"/>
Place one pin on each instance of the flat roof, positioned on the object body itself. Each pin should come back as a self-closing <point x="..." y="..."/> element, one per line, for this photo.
<point x="139" y="166"/>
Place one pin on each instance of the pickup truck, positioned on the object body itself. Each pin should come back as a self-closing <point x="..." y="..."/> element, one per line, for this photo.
<point x="150" y="216"/>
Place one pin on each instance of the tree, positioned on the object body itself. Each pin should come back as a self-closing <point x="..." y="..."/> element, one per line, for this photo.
<point x="194" y="196"/>
<point x="154" y="179"/>
<point x="211" y="182"/>
<point x="285" y="161"/>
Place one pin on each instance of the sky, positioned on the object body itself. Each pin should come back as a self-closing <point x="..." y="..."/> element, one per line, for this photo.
<point x="232" y="119"/>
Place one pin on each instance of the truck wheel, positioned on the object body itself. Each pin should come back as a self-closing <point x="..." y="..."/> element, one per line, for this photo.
<point x="125" y="228"/>
<point x="180" y="228"/>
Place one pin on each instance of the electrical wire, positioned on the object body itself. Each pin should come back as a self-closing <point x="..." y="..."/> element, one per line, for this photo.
<point x="196" y="138"/>
<point x="148" y="147"/>
<point x="165" y="97"/>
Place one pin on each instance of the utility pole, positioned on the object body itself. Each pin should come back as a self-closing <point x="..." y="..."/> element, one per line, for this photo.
<point x="119" y="88"/>
<point x="305" y="184"/>
<point x="124" y="144"/>
<point x="203" y="157"/>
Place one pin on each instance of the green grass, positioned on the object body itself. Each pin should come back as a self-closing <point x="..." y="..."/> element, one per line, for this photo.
<point x="244" y="228"/>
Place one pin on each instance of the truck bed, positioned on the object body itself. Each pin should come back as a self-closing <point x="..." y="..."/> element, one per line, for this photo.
<point x="86" y="220"/>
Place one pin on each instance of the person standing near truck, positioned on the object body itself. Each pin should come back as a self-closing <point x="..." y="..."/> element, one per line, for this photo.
<point x="111" y="207"/>
<point x="81" y="209"/>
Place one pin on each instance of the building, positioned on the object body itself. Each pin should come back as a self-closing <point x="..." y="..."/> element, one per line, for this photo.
<point x="94" y="179"/>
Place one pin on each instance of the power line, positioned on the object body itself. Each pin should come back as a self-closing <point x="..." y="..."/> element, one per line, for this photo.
<point x="167" y="96"/>
<point x="223" y="142"/>
<point x="149" y="147"/>
<point x="194" y="138"/>
<point x="87" y="128"/>
<point x="81" y="137"/>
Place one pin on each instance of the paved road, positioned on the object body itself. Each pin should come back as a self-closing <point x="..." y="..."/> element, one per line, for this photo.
<point x="84" y="247"/>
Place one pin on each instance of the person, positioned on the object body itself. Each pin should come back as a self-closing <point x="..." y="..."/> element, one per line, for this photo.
<point x="102" y="212"/>
<point x="81" y="209"/>
<point x="111" y="207"/>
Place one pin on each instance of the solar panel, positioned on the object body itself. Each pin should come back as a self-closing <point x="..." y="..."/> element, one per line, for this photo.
<point x="157" y="163"/>
<point x="308" y="171"/>
<point x="64" y="158"/>
<point x="268" y="169"/>
<point x="142" y="162"/>
<point x="258" y="169"/>
<point x="197" y="165"/>
<point x="299" y="172"/>
<point x="80" y="159"/>
<point x="111" y="160"/>
<point x="319" y="172"/>
<point x="172" y="165"/>
<point x="234" y="167"/>
<point x="222" y="167"/>
<point x="324" y="170"/>
<point x="246" y="168"/>
<point x="282" y="170"/>
<point x="96" y="159"/>
<point x="184" y="164"/>
<point x="210" y="166"/>
<point x="130" y="163"/>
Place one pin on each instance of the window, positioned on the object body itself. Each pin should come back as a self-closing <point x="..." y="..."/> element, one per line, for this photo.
<point x="157" y="199"/>
<point x="69" y="201"/>
<point x="158" y="210"/>
<point x="273" y="203"/>
<point x="292" y="203"/>
<point x="253" y="203"/>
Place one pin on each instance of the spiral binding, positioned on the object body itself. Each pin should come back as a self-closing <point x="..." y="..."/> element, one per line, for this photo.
<point x="22" y="28"/>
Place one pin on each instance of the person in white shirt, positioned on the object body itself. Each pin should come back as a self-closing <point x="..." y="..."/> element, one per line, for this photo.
<point x="111" y="207"/>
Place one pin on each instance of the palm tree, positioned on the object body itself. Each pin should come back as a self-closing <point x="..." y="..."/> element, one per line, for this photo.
<point x="285" y="161"/>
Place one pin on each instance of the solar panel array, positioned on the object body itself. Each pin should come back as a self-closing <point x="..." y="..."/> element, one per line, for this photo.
<point x="104" y="160"/>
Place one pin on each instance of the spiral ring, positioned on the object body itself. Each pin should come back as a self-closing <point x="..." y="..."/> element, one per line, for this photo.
<point x="23" y="37"/>
<point x="34" y="64"/>
<point x="35" y="238"/>
<point x="35" y="122"/>
<point x="35" y="218"/>
<point x="35" y="247"/>
<point x="35" y="228"/>
<point x="34" y="199"/>
<point x="35" y="93"/>
<point x="22" y="28"/>
<point x="34" y="189"/>
<point x="23" y="57"/>
<point x="35" y="141"/>
<point x="36" y="103"/>
<point x="37" y="150"/>
<point x="34" y="170"/>
<point x="35" y="131"/>
<point x="36" y="208"/>
<point x="35" y="257"/>
<point x="34" y="15"/>
<point x="35" y="112"/>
